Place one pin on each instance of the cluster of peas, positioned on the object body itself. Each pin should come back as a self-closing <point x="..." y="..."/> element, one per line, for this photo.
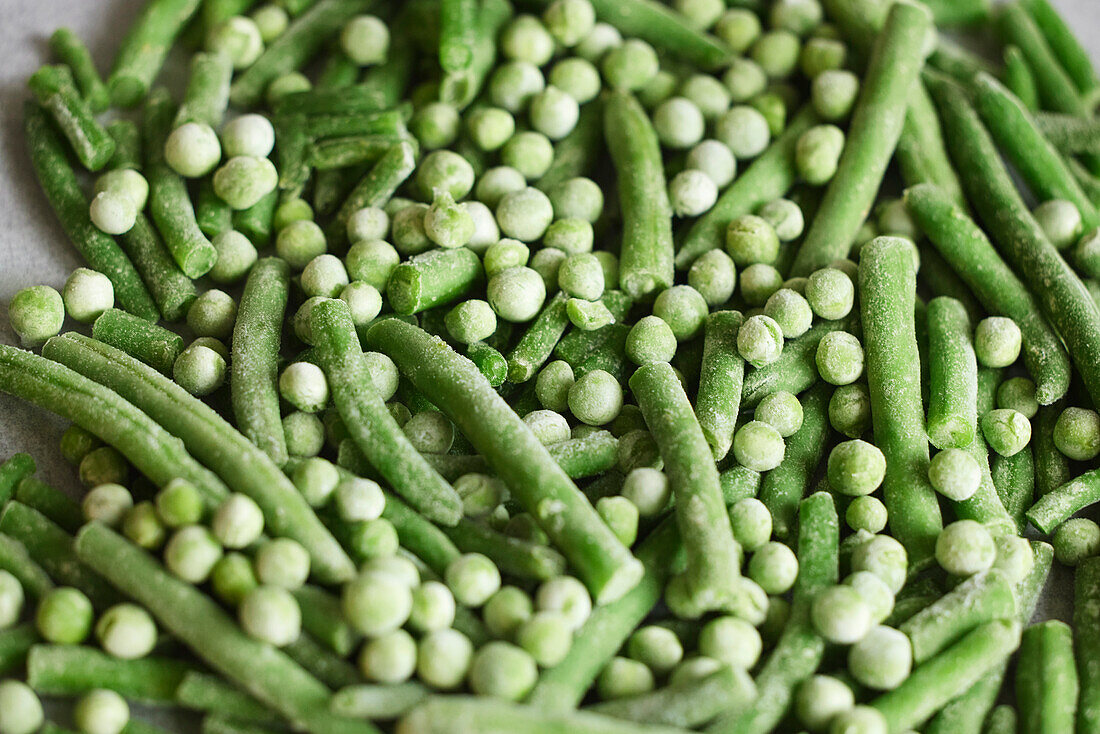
<point x="471" y="215"/>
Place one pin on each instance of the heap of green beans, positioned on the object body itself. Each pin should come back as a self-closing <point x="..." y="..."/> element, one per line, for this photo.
<point x="545" y="366"/>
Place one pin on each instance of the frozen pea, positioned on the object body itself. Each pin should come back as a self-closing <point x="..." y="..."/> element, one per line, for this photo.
<point x="839" y="358"/>
<point x="859" y="719"/>
<point x="358" y="500"/>
<point x="193" y="150"/>
<point x="866" y="513"/>
<point x="553" y="112"/>
<point x="833" y="93"/>
<point x="1077" y="433"/>
<point x="1075" y="540"/>
<point x="516" y="294"/>
<point x="446" y="170"/>
<point x="433" y="607"/>
<point x="751" y="522"/>
<point x="503" y="670"/>
<point x="481" y="493"/>
<point x="1006" y="431"/>
<point x="436" y="125"/>
<point x="679" y="123"/>
<point x="596" y="398"/>
<point x="101" y="711"/>
<point x="248" y="135"/>
<point x="527" y="39"/>
<point x="292" y="210"/>
<point x="831" y="293"/>
<point x="212" y="314"/>
<point x="102" y="466"/>
<point x="303" y="385"/>
<point x="324" y="276"/>
<point x="777" y="52"/>
<point x="367" y="224"/>
<point x="997" y="341"/>
<point x="471" y="321"/>
<point x="782" y="411"/>
<point x="875" y="591"/>
<point x="305" y="434"/>
<point x="472" y="578"/>
<point x="126" y="182"/>
<point x="856" y="468"/>
<point x="751" y="239"/>
<point x="243" y="180"/>
<point x="566" y="595"/>
<point x="631" y="65"/>
<point x="372" y="261"/>
<point x="760" y="340"/>
<point x="581" y="276"/>
<point x="546" y="637"/>
<point x="571" y="236"/>
<point x="113" y="212"/>
<point x="785" y="218"/>
<point x="507" y="610"/>
<point x="601" y="39"/>
<point x="692" y="193"/>
<point x="714" y="276"/>
<point x="1018" y="393"/>
<point x="622" y="678"/>
<point x="383" y="373"/>
<point x="191" y="553"/>
<point x="529" y="152"/>
<point x="791" y="311"/>
<point x="376" y="603"/>
<point x="443" y="659"/>
<point x="286" y="85"/>
<point x="365" y="39"/>
<point x="744" y="79"/>
<point x="127" y="632"/>
<point x="238" y="38"/>
<point x="577" y="198"/>
<point x="758" y="446"/>
<point x="882" y="660"/>
<point x="199" y="370"/>
<point x="553" y="384"/>
<point x="316" y="480"/>
<point x="818" y="152"/>
<point x="955" y="474"/>
<point x="820" y="699"/>
<point x="651" y="339"/>
<point x="87" y="294"/>
<point x="299" y="242"/>
<point x="840" y="615"/>
<point x="548" y="426"/>
<point x="282" y="562"/>
<point x="732" y="641"/>
<point x="774" y="567"/>
<point x="514" y="83"/>
<point x="389" y="659"/>
<point x="693" y="669"/>
<point x="759" y="282"/>
<point x="108" y="504"/>
<point x="270" y="614"/>
<point x="490" y="127"/>
<point x="648" y="489"/>
<point x="577" y="77"/>
<point x="36" y="314"/>
<point x="236" y="256"/>
<point x="525" y="215"/>
<point x="708" y="94"/>
<point x="12" y="599"/>
<point x="1061" y="221"/>
<point x="744" y="130"/>
<point x="657" y="647"/>
<point x="965" y="548"/>
<point x="715" y="159"/>
<point x="621" y="516"/>
<point x="820" y="55"/>
<point x="883" y="556"/>
<point x="1015" y="558"/>
<point x="64" y="616"/>
<point x="430" y="432"/>
<point x="683" y="309"/>
<point x="364" y="302"/>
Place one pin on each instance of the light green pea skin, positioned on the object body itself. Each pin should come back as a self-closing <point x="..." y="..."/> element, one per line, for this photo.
<point x="692" y="193"/>
<point x="490" y="127"/>
<point x="433" y="607"/>
<point x="630" y="66"/>
<point x="577" y="77"/>
<point x="364" y="302"/>
<point x="791" y="311"/>
<point x="525" y="215"/>
<point x="377" y="603"/>
<point x="684" y="310"/>
<point x="883" y="556"/>
<point x="199" y="370"/>
<point x="1006" y="431"/>
<point x="596" y="398"/>
<point x="693" y="669"/>
<point x="299" y="242"/>
<point x="514" y="83"/>
<point x="101" y="712"/>
<point x="295" y="210"/>
<point x="548" y="426"/>
<point x="471" y="321"/>
<point x="12" y="599"/>
<point x="833" y="94"/>
<point x="358" y="500"/>
<point x="651" y="339"/>
<point x="503" y="670"/>
<point x="856" y="468"/>
<point x="435" y="125"/>
<point x="732" y="641"/>
<point x="191" y="553"/>
<point x="36" y="314"/>
<point x="714" y="276"/>
<point x="244" y="180"/>
<point x="286" y="85"/>
<point x="875" y="592"/>
<point x="372" y="261"/>
<point x="64" y="617"/>
<point x="679" y="123"/>
<point x="751" y="239"/>
<point x="505" y="254"/>
<point x="390" y="658"/>
<point x="820" y="699"/>
<point x="758" y="446"/>
<point x="708" y="94"/>
<point x="249" y="135"/>
<point x="506" y="611"/>
<point x="1087" y="254"/>
<point x="113" y="212"/>
<point x="817" y="153"/>
<point x="516" y="294"/>
<point x="782" y="411"/>
<point x="409" y="237"/>
<point x="316" y="479"/>
<point x="955" y="474"/>
<point x="1018" y="393"/>
<point x="751" y="522"/>
<point x="527" y="39"/>
<point x="430" y="432"/>
<point x="581" y="276"/>
<point x="759" y="282"/>
<point x="760" y="340"/>
<point x="76" y="443"/>
<point x="270" y="614"/>
<point x="367" y="224"/>
<point x="553" y="384"/>
<point x="324" y="276"/>
<point x="127" y="632"/>
<point x="108" y="504"/>
<point x="1015" y="558"/>
<point x="179" y="503"/>
<point x="1061" y="221"/>
<point x="648" y="489"/>
<point x="965" y="548"/>
<point x="785" y="218"/>
<point x="566" y="595"/>
<point x="839" y="358"/>
<point x="192" y="150"/>
<point x="366" y="40"/>
<point x="282" y="562"/>
<point x="305" y="434"/>
<point x="744" y="79"/>
<point x="237" y="37"/>
<point x="554" y="113"/>
<point x="446" y="223"/>
<point x="859" y="719"/>
<point x="213" y="313"/>
<point x="715" y="159"/>
<point x="657" y="647"/>
<point x="236" y="256"/>
<point x="397" y="567"/>
<point x="383" y="372"/>
<point x="1075" y="540"/>
<point x="1077" y="433"/>
<point x="744" y="130"/>
<point x="571" y="236"/>
<point x="602" y="38"/>
<point x="997" y="341"/>
<point x="831" y="293"/>
<point x="303" y="385"/>
<point x="739" y="28"/>
<point x="443" y="659"/>
<point x="546" y="637"/>
<point x="840" y="615"/>
<point x="623" y="678"/>
<point x="472" y="578"/>
<point x="446" y="170"/>
<point x="777" y="52"/>
<point x="20" y="710"/>
<point x="125" y="182"/>
<point x="820" y="55"/>
<point x="621" y="516"/>
<point x="103" y="465"/>
<point x="577" y="198"/>
<point x="529" y="152"/>
<point x="609" y="262"/>
<point x="774" y="567"/>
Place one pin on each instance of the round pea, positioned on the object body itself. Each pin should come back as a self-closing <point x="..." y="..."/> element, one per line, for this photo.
<point x="955" y="474"/>
<point x="596" y="398"/>
<point x="758" y="446"/>
<point x="965" y="548"/>
<point x="856" y="468"/>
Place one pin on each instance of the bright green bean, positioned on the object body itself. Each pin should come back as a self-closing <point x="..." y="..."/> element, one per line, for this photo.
<point x="71" y="670"/>
<point x="145" y="47"/>
<point x="721" y="377"/>
<point x="152" y="344"/>
<point x="1046" y="679"/>
<point x="952" y="407"/>
<point x="55" y="90"/>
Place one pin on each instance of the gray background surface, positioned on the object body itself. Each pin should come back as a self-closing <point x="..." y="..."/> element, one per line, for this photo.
<point x="34" y="249"/>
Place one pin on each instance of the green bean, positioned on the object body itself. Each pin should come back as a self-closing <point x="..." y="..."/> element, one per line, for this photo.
<point x="15" y="643"/>
<point x="454" y="384"/>
<point x="99" y="410"/>
<point x="1014" y="478"/>
<point x="14" y="469"/>
<point x="1021" y="81"/>
<point x="876" y="126"/>
<point x="575" y="153"/>
<point x="966" y="248"/>
<point x="152" y="344"/>
<point x="292" y="151"/>
<point x="354" y="100"/>
<point x="1037" y="160"/>
<point x="739" y="483"/>
<point x="457" y="33"/>
<point x="295" y="47"/>
<point x="214" y="724"/>
<point x="52" y="549"/>
<point x="712" y="553"/>
<point x="513" y="556"/>
<point x="378" y="701"/>
<point x="958" y="61"/>
<point x="388" y="81"/>
<point x="579" y="345"/>
<point x="260" y="669"/>
<point x="796" y="368"/>
<point x="145" y="47"/>
<point x="1057" y="91"/>
<point x="965" y="714"/>
<point x="333" y="153"/>
<point x="937" y="681"/>
<point x="721" y="377"/>
<point x="1064" y="44"/>
<point x="950" y="13"/>
<point x="1046" y="679"/>
<point x="477" y="715"/>
<point x="770" y="177"/>
<point x="1063" y="296"/>
<point x="256" y="337"/>
<point x="434" y="278"/>
<point x="127" y="139"/>
<point x="211" y="695"/>
<point x="1051" y="466"/>
<point x="1002" y="720"/>
<point x="244" y="467"/>
<point x="71" y="670"/>
<point x="257" y="222"/>
<point x="51" y="502"/>
<point x="887" y="283"/>
<point x="460" y="88"/>
<point x="1086" y="623"/>
<point x="1058" y="505"/>
<point x="941" y="280"/>
<point x="375" y="189"/>
<point x="338" y="72"/>
<point x="207" y="95"/>
<point x="320" y="662"/>
<point x="72" y="52"/>
<point x="172" y="291"/>
<point x="979" y="599"/>
<point x="605" y="631"/>
<point x="297" y="7"/>
<point x="537" y="343"/>
<point x="952" y="409"/>
<point x="58" y="180"/>
<point x="1069" y="134"/>
<point x="55" y="90"/>
<point x="922" y="151"/>
<point x="784" y="487"/>
<point x="169" y="201"/>
<point x="688" y="705"/>
<point x="15" y="559"/>
<point x="216" y="12"/>
<point x="800" y="650"/>
<point x="664" y="28"/>
<point x="646" y="259"/>
<point x="323" y="619"/>
<point x="371" y="425"/>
